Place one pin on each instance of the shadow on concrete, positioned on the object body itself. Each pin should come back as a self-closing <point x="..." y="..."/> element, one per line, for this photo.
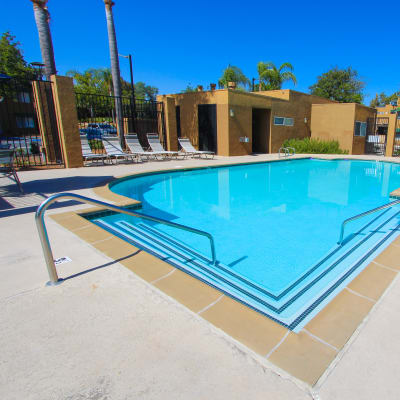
<point x="109" y="264"/>
<point x="12" y="202"/>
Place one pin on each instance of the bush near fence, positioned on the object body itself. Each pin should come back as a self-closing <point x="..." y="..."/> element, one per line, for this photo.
<point x="96" y="146"/>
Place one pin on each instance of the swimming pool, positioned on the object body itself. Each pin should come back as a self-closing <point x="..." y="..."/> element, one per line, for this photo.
<point x="275" y="226"/>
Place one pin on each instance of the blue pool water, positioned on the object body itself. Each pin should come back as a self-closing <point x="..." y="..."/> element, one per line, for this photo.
<point x="275" y="226"/>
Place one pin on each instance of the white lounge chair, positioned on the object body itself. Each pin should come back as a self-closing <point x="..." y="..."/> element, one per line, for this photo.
<point x="156" y="146"/>
<point x="132" y="141"/>
<point x="188" y="148"/>
<point x="88" y="154"/>
<point x="7" y="166"/>
<point x="113" y="150"/>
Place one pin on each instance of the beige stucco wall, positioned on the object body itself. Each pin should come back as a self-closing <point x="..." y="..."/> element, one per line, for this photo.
<point x="282" y="103"/>
<point x="336" y="122"/>
<point x="189" y="102"/>
<point x="67" y="119"/>
<point x="242" y="104"/>
<point x="298" y="107"/>
<point x="391" y="135"/>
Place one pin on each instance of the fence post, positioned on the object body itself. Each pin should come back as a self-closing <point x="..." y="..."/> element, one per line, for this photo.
<point x="391" y="135"/>
<point x="65" y="104"/>
<point x="43" y="110"/>
<point x="171" y="134"/>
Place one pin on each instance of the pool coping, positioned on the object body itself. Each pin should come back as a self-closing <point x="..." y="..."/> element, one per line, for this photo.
<point x="307" y="356"/>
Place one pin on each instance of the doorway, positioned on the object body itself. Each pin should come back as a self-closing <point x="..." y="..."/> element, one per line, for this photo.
<point x="261" y="130"/>
<point x="207" y="127"/>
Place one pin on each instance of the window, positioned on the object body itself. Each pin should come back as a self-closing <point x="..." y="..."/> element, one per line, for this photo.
<point x="289" y="121"/>
<point x="25" y="122"/>
<point x="283" y="121"/>
<point x="360" y="129"/>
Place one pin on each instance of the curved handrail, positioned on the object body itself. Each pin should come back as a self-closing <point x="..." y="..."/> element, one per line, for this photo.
<point x="44" y="239"/>
<point x="289" y="151"/>
<point x="293" y="151"/>
<point x="346" y="221"/>
<point x="285" y="150"/>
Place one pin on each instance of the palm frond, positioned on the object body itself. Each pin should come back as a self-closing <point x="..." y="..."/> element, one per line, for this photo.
<point x="288" y="76"/>
<point x="287" y="65"/>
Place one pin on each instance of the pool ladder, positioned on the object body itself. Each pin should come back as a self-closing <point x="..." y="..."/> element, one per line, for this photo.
<point x="364" y="214"/>
<point x="44" y="239"/>
<point x="287" y="151"/>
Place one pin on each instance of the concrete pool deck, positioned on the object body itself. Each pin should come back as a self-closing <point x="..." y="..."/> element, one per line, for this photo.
<point x="106" y="333"/>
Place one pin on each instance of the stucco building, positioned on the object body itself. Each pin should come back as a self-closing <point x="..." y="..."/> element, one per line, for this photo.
<point x="234" y="123"/>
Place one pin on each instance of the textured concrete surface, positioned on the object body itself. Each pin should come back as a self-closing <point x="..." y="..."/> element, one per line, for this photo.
<point x="106" y="334"/>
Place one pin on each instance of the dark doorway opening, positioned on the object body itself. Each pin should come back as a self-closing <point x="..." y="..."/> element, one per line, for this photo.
<point x="178" y="120"/>
<point x="207" y="127"/>
<point x="260" y="130"/>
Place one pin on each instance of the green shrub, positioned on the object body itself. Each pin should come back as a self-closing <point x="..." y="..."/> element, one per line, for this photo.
<point x="314" y="146"/>
<point x="96" y="144"/>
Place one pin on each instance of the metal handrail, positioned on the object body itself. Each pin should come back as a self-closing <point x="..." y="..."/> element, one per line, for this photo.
<point x="293" y="150"/>
<point x="289" y="151"/>
<point x="44" y="239"/>
<point x="346" y="221"/>
<point x="284" y="149"/>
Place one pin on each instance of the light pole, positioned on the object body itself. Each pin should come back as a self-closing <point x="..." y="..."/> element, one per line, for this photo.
<point x="253" y="84"/>
<point x="133" y="102"/>
<point x="39" y="69"/>
<point x="129" y="56"/>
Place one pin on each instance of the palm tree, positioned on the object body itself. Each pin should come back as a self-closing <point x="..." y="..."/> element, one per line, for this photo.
<point x="115" y="71"/>
<point x="271" y="78"/>
<point x="233" y="74"/>
<point x="42" y="18"/>
<point x="106" y="77"/>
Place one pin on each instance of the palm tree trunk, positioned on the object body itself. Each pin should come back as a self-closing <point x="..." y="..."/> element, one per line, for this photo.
<point x="116" y="76"/>
<point x="42" y="18"/>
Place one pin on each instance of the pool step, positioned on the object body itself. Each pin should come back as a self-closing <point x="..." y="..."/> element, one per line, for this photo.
<point x="290" y="306"/>
<point x="320" y="273"/>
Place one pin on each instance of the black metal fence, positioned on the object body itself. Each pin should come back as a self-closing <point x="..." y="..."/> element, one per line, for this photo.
<point x="97" y="116"/>
<point x="375" y="140"/>
<point x="28" y="122"/>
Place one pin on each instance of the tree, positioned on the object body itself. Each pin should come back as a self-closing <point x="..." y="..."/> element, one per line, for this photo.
<point x="42" y="18"/>
<point x="233" y="74"/>
<point x="92" y="81"/>
<point x="272" y="78"/>
<point x="145" y="92"/>
<point x="99" y="81"/>
<point x="12" y="62"/>
<point x="189" y="89"/>
<point x="341" y="85"/>
<point x="115" y="71"/>
<point x="382" y="100"/>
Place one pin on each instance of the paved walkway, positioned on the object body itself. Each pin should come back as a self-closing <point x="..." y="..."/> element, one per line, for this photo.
<point x="106" y="334"/>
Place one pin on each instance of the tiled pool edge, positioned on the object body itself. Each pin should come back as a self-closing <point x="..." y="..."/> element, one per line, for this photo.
<point x="269" y="340"/>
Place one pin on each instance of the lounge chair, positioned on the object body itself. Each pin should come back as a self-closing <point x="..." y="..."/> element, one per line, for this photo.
<point x="7" y="166"/>
<point x="188" y="148"/>
<point x="88" y="154"/>
<point x="156" y="146"/>
<point x="132" y="141"/>
<point x="114" y="150"/>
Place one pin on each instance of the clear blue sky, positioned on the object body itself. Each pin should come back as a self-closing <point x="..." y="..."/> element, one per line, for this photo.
<point x="179" y="42"/>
